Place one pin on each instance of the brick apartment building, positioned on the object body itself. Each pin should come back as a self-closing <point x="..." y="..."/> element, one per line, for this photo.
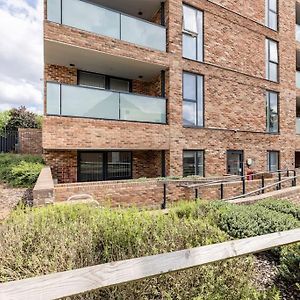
<point x="150" y="88"/>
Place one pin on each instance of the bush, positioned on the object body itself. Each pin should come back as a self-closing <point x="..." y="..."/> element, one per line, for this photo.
<point x="290" y="264"/>
<point x="281" y="206"/>
<point x="20" y="170"/>
<point x="59" y="238"/>
<point x="241" y="221"/>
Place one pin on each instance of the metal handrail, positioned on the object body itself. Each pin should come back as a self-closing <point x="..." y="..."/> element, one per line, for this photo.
<point x="264" y="188"/>
<point x="237" y="178"/>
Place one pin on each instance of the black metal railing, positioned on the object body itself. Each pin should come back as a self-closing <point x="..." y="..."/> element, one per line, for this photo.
<point x="8" y="141"/>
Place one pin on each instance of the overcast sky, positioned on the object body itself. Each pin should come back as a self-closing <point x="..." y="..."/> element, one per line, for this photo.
<point x="21" y="54"/>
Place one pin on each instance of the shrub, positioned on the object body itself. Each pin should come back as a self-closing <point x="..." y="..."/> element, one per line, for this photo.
<point x="246" y="221"/>
<point x="281" y="206"/>
<point x="290" y="264"/>
<point x="58" y="238"/>
<point x="20" y="170"/>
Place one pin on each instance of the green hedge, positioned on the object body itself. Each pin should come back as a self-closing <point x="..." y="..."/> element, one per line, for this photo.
<point x="20" y="170"/>
<point x="281" y="206"/>
<point x="59" y="238"/>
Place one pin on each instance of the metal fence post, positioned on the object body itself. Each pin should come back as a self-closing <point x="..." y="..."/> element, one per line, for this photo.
<point x="294" y="182"/>
<point x="279" y="181"/>
<point x="164" y="204"/>
<point x="263" y="184"/>
<point x="244" y="185"/>
<point x="222" y="191"/>
<point x="196" y="193"/>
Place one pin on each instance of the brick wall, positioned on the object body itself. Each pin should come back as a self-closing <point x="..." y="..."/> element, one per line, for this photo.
<point x="149" y="193"/>
<point x="233" y="70"/>
<point x="30" y="141"/>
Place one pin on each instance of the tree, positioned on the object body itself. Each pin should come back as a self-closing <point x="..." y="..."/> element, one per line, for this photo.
<point x="21" y="118"/>
<point x="4" y="118"/>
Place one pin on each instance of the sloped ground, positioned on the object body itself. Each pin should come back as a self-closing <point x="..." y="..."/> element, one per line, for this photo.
<point x="9" y="199"/>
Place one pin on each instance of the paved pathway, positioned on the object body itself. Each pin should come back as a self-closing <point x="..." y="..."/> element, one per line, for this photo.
<point x="9" y="198"/>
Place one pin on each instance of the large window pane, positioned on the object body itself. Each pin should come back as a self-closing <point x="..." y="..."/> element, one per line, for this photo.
<point x="118" y="165"/>
<point x="273" y="71"/>
<point x="189" y="46"/>
<point x="193" y="163"/>
<point x="91" y="79"/>
<point x="272" y="112"/>
<point x="192" y="33"/>
<point x="54" y="11"/>
<point x="189" y="86"/>
<point x="273" y="161"/>
<point x="272" y="60"/>
<point x="90" y="166"/>
<point x="119" y="85"/>
<point x="273" y="5"/>
<point x="273" y="51"/>
<point x="273" y="20"/>
<point x="189" y="113"/>
<point x="200" y="102"/>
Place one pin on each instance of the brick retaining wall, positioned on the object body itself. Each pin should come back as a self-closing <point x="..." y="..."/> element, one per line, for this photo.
<point x="30" y="141"/>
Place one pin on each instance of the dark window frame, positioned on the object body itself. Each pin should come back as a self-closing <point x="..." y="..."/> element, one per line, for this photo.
<point x="107" y="79"/>
<point x="270" y="10"/>
<point x="196" y="101"/>
<point x="239" y="152"/>
<point x="269" y="62"/>
<point x="186" y="32"/>
<point x="269" y="161"/>
<point x="268" y="92"/>
<point x="105" y="164"/>
<point x="196" y="155"/>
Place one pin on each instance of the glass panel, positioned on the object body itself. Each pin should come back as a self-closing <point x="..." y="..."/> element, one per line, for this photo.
<point x="119" y="85"/>
<point x="54" y="10"/>
<point x="143" y="33"/>
<point x="189" y="46"/>
<point x="189" y="86"/>
<point x="273" y="51"/>
<point x="189" y="113"/>
<point x="91" y="166"/>
<point x="273" y="161"/>
<point x="273" y="112"/>
<point x="189" y="163"/>
<point x="143" y="109"/>
<point x="88" y="102"/>
<point x="272" y="20"/>
<point x="273" y="5"/>
<point x="53" y="98"/>
<point x="200" y="163"/>
<point x="200" y="101"/>
<point x="234" y="163"/>
<point x="298" y="32"/>
<point x="190" y="19"/>
<point x="118" y="165"/>
<point x="273" y="76"/>
<point x="90" y="17"/>
<point x="91" y="79"/>
<point x="298" y="79"/>
<point x="298" y="125"/>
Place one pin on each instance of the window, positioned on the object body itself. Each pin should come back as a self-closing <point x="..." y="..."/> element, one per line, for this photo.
<point x="272" y="14"/>
<point x="193" y="163"/>
<point x="271" y="60"/>
<point x="193" y="100"/>
<point x="273" y="161"/>
<point x="192" y="36"/>
<point x="103" y="81"/>
<point x="97" y="166"/>
<point x="272" y="112"/>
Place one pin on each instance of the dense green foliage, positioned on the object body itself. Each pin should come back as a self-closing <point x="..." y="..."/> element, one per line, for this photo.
<point x="20" y="117"/>
<point x="58" y="238"/>
<point x="20" y="170"/>
<point x="281" y="206"/>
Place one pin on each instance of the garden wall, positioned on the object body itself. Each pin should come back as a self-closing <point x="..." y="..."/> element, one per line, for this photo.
<point x="150" y="193"/>
<point x="30" y="141"/>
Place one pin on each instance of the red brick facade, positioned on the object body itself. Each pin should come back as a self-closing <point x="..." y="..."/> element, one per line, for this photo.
<point x="30" y="141"/>
<point x="234" y="93"/>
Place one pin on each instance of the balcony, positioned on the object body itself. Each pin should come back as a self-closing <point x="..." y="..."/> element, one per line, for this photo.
<point x="86" y="102"/>
<point x="105" y="21"/>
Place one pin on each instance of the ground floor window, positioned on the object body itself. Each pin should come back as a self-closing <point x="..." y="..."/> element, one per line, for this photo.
<point x="273" y="161"/>
<point x="193" y="163"/>
<point x="97" y="166"/>
<point x="235" y="162"/>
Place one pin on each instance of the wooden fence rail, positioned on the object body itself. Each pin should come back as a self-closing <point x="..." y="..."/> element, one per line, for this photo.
<point x="78" y="281"/>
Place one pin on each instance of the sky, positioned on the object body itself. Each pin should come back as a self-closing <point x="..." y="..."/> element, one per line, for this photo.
<point x="21" y="54"/>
